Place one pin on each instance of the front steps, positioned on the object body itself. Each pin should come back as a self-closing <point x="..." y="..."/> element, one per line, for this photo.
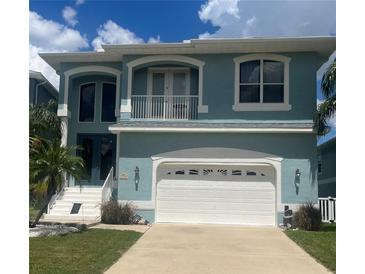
<point x="90" y="199"/>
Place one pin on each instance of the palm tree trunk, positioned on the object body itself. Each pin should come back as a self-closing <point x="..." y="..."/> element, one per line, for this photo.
<point x="40" y="212"/>
<point x="50" y="192"/>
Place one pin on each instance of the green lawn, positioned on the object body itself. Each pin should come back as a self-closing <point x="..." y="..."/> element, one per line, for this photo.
<point x="319" y="244"/>
<point x="91" y="251"/>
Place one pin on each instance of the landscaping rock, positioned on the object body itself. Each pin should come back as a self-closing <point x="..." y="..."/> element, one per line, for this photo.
<point x="51" y="230"/>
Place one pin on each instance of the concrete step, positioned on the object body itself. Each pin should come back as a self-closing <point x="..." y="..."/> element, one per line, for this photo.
<point x="70" y="203"/>
<point x="69" y="218"/>
<point x="81" y="199"/>
<point x="80" y="196"/>
<point x="83" y="189"/>
<point x="69" y="206"/>
<point x="62" y="211"/>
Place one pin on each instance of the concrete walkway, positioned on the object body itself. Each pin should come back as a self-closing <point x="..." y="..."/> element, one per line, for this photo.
<point x="201" y="249"/>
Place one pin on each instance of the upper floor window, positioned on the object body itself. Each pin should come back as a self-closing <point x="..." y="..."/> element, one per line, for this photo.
<point x="87" y="103"/>
<point x="261" y="83"/>
<point x="108" y="103"/>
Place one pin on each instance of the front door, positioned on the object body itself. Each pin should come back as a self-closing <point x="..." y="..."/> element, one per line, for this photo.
<point x="98" y="152"/>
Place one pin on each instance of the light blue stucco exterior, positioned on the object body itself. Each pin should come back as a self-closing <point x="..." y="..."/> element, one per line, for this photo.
<point x="297" y="151"/>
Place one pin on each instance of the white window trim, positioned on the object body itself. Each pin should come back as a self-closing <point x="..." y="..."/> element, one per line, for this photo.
<point x="166" y="71"/>
<point x="285" y="106"/>
<point x="63" y="106"/>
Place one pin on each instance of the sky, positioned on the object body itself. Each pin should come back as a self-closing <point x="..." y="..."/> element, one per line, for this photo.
<point x="83" y="25"/>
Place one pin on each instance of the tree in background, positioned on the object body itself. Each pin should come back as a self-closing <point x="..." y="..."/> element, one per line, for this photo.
<point x="326" y="109"/>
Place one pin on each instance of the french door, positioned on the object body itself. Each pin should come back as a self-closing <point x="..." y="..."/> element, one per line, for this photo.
<point x="168" y="91"/>
<point x="98" y="152"/>
<point x="168" y="81"/>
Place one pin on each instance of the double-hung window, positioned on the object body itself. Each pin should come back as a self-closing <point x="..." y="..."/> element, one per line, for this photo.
<point x="261" y="83"/>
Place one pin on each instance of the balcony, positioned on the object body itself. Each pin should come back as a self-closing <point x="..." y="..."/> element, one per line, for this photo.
<point x="164" y="107"/>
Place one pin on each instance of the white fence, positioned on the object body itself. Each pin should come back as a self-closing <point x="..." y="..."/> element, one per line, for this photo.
<point x="165" y="107"/>
<point x="328" y="209"/>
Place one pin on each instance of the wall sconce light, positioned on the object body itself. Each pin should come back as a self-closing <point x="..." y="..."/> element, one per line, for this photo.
<point x="136" y="178"/>
<point x="297" y="173"/>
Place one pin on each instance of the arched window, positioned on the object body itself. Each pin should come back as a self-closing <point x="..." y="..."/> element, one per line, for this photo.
<point x="262" y="83"/>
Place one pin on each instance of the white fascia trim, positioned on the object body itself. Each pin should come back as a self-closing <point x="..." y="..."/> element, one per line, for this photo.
<point x="156" y="58"/>
<point x="261" y="106"/>
<point x="208" y="130"/>
<point x="117" y="73"/>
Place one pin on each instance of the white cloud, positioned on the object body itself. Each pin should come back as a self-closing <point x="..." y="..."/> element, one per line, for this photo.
<point x="54" y="36"/>
<point x="112" y="33"/>
<point x="70" y="16"/>
<point x="79" y="2"/>
<point x="219" y="12"/>
<point x="269" y="18"/>
<point x="154" y="40"/>
<point x="49" y="36"/>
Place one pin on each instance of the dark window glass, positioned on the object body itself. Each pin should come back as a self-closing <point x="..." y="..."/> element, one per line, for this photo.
<point x="87" y="103"/>
<point x="250" y="72"/>
<point x="86" y="154"/>
<point x="273" y="72"/>
<point x="273" y="94"/>
<point x="108" y="103"/>
<point x="106" y="157"/>
<point x="249" y="94"/>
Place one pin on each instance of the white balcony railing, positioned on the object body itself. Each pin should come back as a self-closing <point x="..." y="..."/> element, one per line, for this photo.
<point x="164" y="107"/>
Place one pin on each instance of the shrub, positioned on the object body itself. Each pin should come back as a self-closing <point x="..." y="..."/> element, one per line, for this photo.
<point x="307" y="217"/>
<point x="113" y="212"/>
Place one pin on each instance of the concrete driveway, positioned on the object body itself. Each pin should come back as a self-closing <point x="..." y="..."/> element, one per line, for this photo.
<point x="182" y="249"/>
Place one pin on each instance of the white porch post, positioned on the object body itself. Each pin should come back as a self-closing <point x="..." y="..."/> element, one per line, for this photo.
<point x="64" y="127"/>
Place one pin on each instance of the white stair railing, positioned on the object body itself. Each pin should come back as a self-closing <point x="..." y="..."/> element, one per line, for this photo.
<point x="327" y="207"/>
<point x="165" y="107"/>
<point x="107" y="188"/>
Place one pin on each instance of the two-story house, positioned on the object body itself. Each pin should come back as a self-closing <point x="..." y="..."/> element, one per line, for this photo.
<point x="205" y="131"/>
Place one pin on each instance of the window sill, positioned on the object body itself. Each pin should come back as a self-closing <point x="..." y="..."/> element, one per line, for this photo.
<point x="262" y="107"/>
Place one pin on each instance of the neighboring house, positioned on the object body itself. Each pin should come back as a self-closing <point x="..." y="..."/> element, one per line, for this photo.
<point x="326" y="153"/>
<point x="40" y="89"/>
<point x="204" y="131"/>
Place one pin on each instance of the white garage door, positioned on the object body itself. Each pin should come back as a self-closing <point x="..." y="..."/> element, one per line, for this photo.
<point x="216" y="194"/>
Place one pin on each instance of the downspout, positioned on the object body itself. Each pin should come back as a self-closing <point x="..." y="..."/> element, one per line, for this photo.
<point x="36" y="91"/>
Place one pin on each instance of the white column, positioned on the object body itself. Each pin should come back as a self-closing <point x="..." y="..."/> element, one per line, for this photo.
<point x="64" y="127"/>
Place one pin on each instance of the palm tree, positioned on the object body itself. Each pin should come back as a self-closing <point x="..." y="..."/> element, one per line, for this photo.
<point x="47" y="167"/>
<point x="44" y="122"/>
<point x="328" y="108"/>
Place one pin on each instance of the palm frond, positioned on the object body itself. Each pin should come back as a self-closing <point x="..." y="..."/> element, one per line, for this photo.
<point x="43" y="120"/>
<point x="328" y="83"/>
<point x="324" y="111"/>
